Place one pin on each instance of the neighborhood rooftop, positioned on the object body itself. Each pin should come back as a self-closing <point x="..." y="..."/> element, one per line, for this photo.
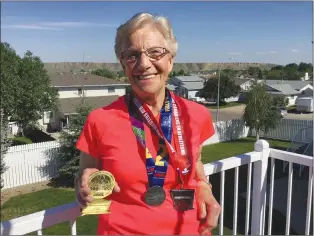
<point x="190" y="78"/>
<point x="284" y="89"/>
<point x="61" y="79"/>
<point x="68" y="105"/>
<point x="295" y="84"/>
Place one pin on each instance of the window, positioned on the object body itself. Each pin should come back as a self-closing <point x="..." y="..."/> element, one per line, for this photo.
<point x="79" y="91"/>
<point x="48" y="117"/>
<point x="111" y="90"/>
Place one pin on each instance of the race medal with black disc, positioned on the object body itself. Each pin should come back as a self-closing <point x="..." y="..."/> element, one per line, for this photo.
<point x="156" y="170"/>
<point x="101" y="184"/>
<point x="155" y="196"/>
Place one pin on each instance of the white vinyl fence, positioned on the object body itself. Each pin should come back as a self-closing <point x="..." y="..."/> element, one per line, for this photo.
<point x="287" y="129"/>
<point x="37" y="162"/>
<point x="30" y="163"/>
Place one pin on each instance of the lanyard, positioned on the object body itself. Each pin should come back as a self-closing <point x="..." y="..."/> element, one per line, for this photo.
<point x="157" y="171"/>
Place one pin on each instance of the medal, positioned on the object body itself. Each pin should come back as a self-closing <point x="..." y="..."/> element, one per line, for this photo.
<point x="155" y="196"/>
<point x="101" y="184"/>
<point x="156" y="170"/>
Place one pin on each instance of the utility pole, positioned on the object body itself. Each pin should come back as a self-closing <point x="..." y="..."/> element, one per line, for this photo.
<point x="217" y="110"/>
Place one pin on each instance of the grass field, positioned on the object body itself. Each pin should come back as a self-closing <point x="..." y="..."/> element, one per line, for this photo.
<point x="87" y="225"/>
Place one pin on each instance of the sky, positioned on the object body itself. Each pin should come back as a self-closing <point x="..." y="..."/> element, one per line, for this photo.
<point x="262" y="32"/>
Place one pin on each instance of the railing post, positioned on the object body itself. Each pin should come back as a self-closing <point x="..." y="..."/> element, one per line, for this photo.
<point x="259" y="187"/>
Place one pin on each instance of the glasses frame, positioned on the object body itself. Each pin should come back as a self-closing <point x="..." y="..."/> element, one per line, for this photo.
<point x="139" y="53"/>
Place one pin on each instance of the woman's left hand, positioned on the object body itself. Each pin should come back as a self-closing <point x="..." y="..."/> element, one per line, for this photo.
<point x="207" y="207"/>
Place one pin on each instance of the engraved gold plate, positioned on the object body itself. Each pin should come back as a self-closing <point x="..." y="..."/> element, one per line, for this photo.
<point x="101" y="184"/>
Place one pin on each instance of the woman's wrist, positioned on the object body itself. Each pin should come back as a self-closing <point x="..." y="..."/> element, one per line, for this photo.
<point x="204" y="181"/>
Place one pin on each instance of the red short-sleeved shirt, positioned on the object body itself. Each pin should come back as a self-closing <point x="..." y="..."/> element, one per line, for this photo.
<point x="108" y="135"/>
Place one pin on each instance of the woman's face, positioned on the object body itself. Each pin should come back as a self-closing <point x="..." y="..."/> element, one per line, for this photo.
<point x="147" y="76"/>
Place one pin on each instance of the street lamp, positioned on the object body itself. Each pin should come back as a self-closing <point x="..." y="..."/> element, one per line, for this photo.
<point x="217" y="111"/>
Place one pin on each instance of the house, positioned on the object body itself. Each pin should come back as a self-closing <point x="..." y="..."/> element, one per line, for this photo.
<point x="292" y="89"/>
<point x="187" y="86"/>
<point x="285" y="90"/>
<point x="97" y="91"/>
<point x="245" y="85"/>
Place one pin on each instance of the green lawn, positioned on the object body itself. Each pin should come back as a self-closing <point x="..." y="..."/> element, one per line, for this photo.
<point x="223" y="150"/>
<point x="19" y="140"/>
<point x="87" y="225"/>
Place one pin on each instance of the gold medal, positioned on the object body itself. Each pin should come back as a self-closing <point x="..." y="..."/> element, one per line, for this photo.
<point x="101" y="184"/>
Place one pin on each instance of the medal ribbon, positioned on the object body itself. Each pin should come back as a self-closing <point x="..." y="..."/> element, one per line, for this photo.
<point x="164" y="133"/>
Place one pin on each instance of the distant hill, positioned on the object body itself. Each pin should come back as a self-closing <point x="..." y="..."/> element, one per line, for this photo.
<point x="88" y="66"/>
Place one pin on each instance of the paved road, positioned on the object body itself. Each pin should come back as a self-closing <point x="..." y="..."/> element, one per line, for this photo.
<point x="237" y="111"/>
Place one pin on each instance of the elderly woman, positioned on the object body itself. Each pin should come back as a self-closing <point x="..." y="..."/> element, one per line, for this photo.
<point x="150" y="140"/>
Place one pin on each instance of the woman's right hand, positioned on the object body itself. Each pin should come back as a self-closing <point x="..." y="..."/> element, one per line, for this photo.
<point x="83" y="192"/>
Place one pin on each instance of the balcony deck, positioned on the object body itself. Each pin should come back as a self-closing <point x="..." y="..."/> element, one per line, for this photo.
<point x="290" y="195"/>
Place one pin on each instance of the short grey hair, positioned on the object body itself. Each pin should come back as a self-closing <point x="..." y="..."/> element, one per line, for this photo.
<point x="161" y="23"/>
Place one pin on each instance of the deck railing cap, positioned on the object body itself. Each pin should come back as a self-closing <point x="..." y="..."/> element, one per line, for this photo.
<point x="260" y="145"/>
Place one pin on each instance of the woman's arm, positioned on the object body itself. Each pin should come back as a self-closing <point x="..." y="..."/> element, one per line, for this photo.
<point x="199" y="169"/>
<point x="89" y="164"/>
<point x="86" y="161"/>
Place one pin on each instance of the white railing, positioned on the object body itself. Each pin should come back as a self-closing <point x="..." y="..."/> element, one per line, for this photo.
<point x="256" y="201"/>
<point x="37" y="162"/>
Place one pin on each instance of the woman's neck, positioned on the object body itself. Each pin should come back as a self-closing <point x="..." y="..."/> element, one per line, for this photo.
<point x="155" y="102"/>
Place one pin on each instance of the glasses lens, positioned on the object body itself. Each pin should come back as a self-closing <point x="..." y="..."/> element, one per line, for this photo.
<point x="153" y="54"/>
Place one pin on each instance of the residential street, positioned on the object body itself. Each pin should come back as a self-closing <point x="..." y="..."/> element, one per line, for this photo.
<point x="237" y="111"/>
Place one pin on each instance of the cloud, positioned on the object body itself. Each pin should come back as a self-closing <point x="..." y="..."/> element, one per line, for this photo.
<point x="61" y="25"/>
<point x="29" y="27"/>
<point x="260" y="53"/>
<point x="294" y="50"/>
<point x="234" y="53"/>
<point x="72" y="24"/>
<point x="272" y="51"/>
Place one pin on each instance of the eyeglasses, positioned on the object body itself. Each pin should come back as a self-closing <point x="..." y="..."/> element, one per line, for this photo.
<point x="154" y="54"/>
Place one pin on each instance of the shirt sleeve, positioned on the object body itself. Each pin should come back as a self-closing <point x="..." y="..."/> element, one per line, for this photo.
<point x="207" y="127"/>
<point x="88" y="139"/>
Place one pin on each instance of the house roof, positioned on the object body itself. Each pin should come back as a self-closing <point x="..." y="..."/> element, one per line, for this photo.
<point x="68" y="105"/>
<point x="171" y="87"/>
<point x="59" y="79"/>
<point x="284" y="89"/>
<point x="295" y="84"/>
<point x="193" y="85"/>
<point x="190" y="78"/>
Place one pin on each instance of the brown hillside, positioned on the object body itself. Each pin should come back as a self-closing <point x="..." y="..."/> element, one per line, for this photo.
<point x="88" y="66"/>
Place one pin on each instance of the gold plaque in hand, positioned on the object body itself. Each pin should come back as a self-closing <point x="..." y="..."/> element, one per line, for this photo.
<point x="101" y="184"/>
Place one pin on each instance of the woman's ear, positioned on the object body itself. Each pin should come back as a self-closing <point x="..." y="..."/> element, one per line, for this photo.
<point x="170" y="64"/>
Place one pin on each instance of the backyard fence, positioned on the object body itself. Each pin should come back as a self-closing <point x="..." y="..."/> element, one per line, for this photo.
<point x="37" y="162"/>
<point x="30" y="163"/>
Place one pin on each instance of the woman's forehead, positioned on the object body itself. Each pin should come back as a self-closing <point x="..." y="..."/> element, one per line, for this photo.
<point x="145" y="38"/>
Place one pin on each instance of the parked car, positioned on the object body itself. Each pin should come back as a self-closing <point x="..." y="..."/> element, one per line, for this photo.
<point x="304" y="104"/>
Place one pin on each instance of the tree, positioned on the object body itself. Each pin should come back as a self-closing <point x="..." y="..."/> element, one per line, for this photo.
<point x="9" y="83"/>
<point x="36" y="93"/>
<point x="228" y="88"/>
<point x="279" y="101"/>
<point x="5" y="144"/>
<point x="25" y="88"/>
<point x="105" y="73"/>
<point x="68" y="154"/>
<point x="258" y="114"/>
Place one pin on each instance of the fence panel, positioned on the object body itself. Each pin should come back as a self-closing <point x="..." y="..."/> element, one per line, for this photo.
<point x="30" y="163"/>
<point x="287" y="130"/>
